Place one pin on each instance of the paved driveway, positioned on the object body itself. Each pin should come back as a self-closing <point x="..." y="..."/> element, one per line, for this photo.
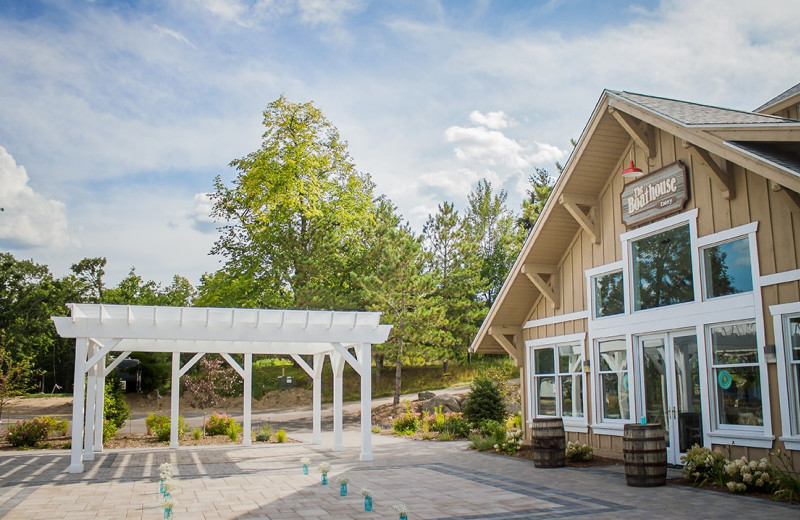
<point x="436" y="481"/>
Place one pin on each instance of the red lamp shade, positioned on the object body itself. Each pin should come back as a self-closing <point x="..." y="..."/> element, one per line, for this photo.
<point x="632" y="172"/>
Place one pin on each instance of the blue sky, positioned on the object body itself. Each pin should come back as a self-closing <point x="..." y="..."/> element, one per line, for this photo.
<point x="116" y="116"/>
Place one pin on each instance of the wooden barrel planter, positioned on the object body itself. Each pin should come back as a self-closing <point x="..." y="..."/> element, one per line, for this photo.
<point x="549" y="443"/>
<point x="645" y="455"/>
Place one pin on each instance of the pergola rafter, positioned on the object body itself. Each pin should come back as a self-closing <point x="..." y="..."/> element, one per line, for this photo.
<point x="102" y="329"/>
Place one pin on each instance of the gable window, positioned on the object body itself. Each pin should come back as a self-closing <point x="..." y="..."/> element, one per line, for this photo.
<point x="727" y="269"/>
<point x="608" y="295"/>
<point x="662" y="269"/>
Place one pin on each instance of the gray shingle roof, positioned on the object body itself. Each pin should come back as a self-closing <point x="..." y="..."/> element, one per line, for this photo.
<point x="780" y="97"/>
<point x="784" y="155"/>
<point x="696" y="114"/>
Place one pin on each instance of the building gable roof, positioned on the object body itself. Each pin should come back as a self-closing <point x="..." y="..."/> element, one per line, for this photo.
<point x="764" y="144"/>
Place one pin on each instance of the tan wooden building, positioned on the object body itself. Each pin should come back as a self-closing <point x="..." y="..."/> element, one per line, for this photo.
<point x="670" y="295"/>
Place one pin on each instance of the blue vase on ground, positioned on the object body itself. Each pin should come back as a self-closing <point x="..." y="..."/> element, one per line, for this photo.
<point x="167" y="514"/>
<point x="343" y="490"/>
<point x="162" y="488"/>
<point x="367" y="503"/>
<point x="305" y="469"/>
<point x="403" y="517"/>
<point x="324" y="479"/>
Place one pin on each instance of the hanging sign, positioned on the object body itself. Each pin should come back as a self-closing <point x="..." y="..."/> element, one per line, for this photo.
<point x="656" y="195"/>
<point x="724" y="379"/>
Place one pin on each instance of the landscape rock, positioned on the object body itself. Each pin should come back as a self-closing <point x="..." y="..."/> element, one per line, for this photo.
<point x="425" y="395"/>
<point x="446" y="401"/>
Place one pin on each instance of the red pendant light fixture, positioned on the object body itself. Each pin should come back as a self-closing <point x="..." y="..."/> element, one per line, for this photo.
<point x="631" y="172"/>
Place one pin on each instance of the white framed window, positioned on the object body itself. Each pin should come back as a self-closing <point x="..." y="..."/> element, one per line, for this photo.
<point x="558" y="386"/>
<point x="737" y="390"/>
<point x="613" y="380"/>
<point x="727" y="268"/>
<point x="786" y="322"/>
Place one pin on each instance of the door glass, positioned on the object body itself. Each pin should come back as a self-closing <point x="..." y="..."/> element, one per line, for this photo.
<point x="687" y="392"/>
<point x="655" y="383"/>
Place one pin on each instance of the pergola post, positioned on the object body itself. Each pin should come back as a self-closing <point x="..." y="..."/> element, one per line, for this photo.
<point x="175" y="396"/>
<point x="81" y="347"/>
<point x="100" y="398"/>
<point x="316" y="406"/>
<point x="247" y="438"/>
<point x="337" y="366"/>
<point x="364" y="355"/>
<point x="91" y="402"/>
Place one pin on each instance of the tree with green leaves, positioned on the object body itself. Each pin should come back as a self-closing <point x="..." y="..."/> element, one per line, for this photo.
<point x="15" y="374"/>
<point x="454" y="264"/>
<point x="293" y="214"/>
<point x="490" y="225"/>
<point x="393" y="279"/>
<point x="541" y="188"/>
<point x="90" y="272"/>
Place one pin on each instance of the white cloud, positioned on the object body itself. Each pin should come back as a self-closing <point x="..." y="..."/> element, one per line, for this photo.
<point x="28" y="219"/>
<point x="174" y="34"/>
<point x="315" y="12"/>
<point x="493" y="120"/>
<point x="200" y="216"/>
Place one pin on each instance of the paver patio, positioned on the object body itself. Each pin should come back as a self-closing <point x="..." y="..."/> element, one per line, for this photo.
<point x="436" y="481"/>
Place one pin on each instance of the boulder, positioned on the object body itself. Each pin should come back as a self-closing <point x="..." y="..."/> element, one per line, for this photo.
<point x="425" y="395"/>
<point x="446" y="401"/>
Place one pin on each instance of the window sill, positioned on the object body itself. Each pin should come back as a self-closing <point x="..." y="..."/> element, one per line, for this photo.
<point x="618" y="430"/>
<point x="791" y="443"/>
<point x="748" y="439"/>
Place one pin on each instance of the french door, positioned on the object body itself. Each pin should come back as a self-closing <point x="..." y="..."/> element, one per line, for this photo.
<point x="670" y="381"/>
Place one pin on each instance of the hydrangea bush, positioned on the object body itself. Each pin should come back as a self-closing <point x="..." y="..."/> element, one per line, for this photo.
<point x="577" y="452"/>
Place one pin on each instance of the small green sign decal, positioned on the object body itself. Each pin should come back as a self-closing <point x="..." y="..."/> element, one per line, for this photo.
<point x="625" y="381"/>
<point x="724" y="379"/>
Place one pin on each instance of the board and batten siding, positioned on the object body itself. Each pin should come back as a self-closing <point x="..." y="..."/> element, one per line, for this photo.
<point x="778" y="238"/>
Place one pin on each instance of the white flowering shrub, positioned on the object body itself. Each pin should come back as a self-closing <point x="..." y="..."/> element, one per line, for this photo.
<point x="511" y="442"/>
<point x="702" y="465"/>
<point x="750" y="475"/>
<point x="577" y="452"/>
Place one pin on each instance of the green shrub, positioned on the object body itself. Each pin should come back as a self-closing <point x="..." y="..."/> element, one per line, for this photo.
<point x="27" y="433"/>
<point x="197" y="433"/>
<point x="577" y="452"/>
<point x="161" y="427"/>
<point x="407" y="423"/>
<point x="115" y="408"/>
<point x="219" y="424"/>
<point x="484" y="402"/>
<point x="265" y="434"/>
<point x="55" y="426"/>
<point x="233" y="431"/>
<point x="786" y="478"/>
<point x="750" y="475"/>
<point x="511" y="441"/>
<point x="280" y="436"/>
<point x="109" y="430"/>
<point x="481" y="442"/>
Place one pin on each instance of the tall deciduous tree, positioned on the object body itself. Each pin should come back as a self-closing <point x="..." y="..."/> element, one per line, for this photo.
<point x="454" y="264"/>
<point x="294" y="212"/>
<point x="490" y="225"/>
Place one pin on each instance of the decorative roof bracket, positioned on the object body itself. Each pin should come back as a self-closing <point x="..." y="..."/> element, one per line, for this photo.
<point x="793" y="195"/>
<point x="589" y="222"/>
<point x="549" y="291"/>
<point x="644" y="139"/>
<point x="722" y="176"/>
<point x="501" y="333"/>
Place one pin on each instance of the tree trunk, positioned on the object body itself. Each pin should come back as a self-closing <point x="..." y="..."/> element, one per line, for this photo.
<point x="397" y="377"/>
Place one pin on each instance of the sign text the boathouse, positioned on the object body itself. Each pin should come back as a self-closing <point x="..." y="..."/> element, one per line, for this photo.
<point x="656" y="195"/>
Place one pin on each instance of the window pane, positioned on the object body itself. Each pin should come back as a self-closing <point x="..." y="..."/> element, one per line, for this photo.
<point x="544" y="361"/>
<point x="613" y="356"/>
<point x="608" y="295"/>
<point x="569" y="358"/>
<point x="615" y="396"/>
<point x="739" y="394"/>
<point x="662" y="269"/>
<point x="545" y="391"/>
<point x="734" y="344"/>
<point x="727" y="268"/>
<point x="572" y="396"/>
<point x="794" y="331"/>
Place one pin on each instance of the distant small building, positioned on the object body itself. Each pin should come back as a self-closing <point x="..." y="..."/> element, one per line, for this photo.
<point x="672" y="294"/>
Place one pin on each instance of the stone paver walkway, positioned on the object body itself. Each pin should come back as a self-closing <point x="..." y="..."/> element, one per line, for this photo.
<point x="436" y="481"/>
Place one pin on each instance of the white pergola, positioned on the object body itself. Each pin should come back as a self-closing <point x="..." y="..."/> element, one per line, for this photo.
<point x="101" y="329"/>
